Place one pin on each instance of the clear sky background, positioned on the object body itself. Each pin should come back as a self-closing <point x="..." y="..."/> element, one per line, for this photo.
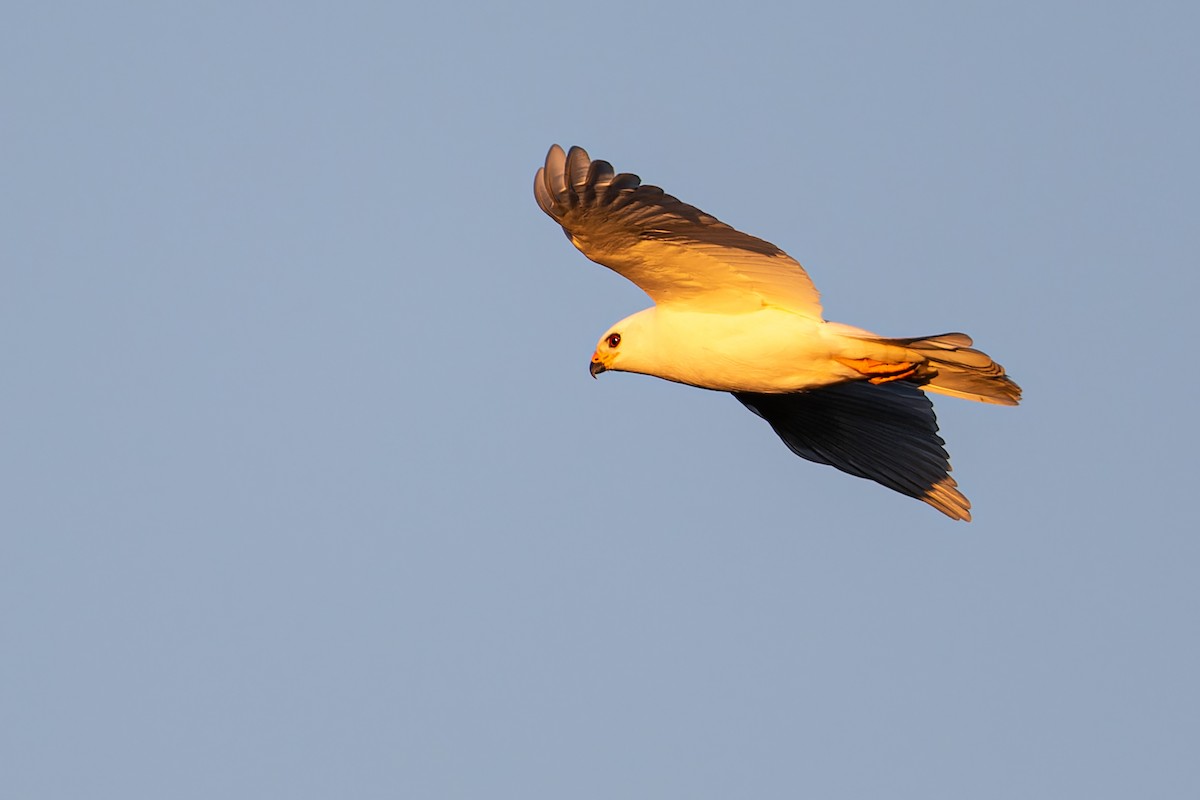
<point x="307" y="491"/>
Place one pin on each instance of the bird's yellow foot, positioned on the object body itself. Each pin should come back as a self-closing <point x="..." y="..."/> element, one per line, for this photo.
<point x="880" y="371"/>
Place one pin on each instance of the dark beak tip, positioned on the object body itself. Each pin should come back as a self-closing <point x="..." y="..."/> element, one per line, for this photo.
<point x="595" y="368"/>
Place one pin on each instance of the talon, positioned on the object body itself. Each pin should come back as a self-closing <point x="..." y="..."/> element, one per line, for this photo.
<point x="880" y="371"/>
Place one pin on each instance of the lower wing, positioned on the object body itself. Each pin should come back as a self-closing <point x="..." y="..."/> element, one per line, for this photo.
<point x="886" y="433"/>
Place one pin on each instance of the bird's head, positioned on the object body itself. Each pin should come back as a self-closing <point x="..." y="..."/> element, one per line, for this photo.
<point x="627" y="346"/>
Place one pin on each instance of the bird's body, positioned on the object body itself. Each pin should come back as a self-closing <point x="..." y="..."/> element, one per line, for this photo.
<point x="767" y="350"/>
<point x="734" y="313"/>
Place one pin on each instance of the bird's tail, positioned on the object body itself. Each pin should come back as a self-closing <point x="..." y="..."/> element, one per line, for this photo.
<point x="951" y="366"/>
<point x="945" y="363"/>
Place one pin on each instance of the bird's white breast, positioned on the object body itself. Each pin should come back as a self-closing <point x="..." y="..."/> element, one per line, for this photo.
<point x="768" y="350"/>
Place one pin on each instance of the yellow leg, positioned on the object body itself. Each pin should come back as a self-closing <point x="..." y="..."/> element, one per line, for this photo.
<point x="880" y="371"/>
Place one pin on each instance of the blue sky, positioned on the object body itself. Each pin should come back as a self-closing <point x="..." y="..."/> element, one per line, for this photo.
<point x="308" y="492"/>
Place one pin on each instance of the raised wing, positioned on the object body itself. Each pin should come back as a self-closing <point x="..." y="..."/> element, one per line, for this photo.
<point x="674" y="252"/>
<point x="886" y="433"/>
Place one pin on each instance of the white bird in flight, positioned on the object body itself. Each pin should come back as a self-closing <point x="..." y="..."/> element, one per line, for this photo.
<point x="734" y="313"/>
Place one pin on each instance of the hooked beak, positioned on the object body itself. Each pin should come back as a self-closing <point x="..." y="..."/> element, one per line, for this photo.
<point x="596" y="367"/>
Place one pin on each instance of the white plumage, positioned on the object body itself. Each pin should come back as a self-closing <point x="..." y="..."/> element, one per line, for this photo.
<point x="735" y="313"/>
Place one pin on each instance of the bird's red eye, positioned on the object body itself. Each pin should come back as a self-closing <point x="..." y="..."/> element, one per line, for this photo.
<point x="614" y="339"/>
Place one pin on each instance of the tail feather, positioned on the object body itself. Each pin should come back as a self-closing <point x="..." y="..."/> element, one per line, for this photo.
<point x="952" y="367"/>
